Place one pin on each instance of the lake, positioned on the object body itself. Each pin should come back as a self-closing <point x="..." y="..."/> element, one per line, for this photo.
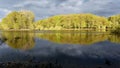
<point x="68" y="49"/>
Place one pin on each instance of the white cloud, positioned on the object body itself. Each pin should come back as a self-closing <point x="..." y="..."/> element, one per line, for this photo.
<point x="43" y="8"/>
<point x="3" y="12"/>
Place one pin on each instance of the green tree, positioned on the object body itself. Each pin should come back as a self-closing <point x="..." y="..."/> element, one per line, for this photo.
<point x="18" y="20"/>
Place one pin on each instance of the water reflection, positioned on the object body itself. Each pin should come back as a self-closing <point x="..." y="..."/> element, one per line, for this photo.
<point x="18" y="40"/>
<point x="67" y="55"/>
<point x="86" y="38"/>
<point x="114" y="38"/>
<point x="26" y="40"/>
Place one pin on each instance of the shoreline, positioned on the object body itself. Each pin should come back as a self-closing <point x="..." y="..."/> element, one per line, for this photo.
<point x="58" y="30"/>
<point x="29" y="64"/>
<point x="57" y="64"/>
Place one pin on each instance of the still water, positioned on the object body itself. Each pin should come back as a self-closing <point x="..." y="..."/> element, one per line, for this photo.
<point x="71" y="49"/>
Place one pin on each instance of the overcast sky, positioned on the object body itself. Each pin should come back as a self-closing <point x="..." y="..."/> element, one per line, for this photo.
<point x="46" y="8"/>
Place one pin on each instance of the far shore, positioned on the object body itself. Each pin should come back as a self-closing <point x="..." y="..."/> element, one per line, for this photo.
<point x="61" y="30"/>
<point x="49" y="29"/>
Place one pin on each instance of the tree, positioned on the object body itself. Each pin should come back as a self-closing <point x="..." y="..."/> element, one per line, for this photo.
<point x="18" y="20"/>
<point x="74" y="21"/>
<point x="115" y="20"/>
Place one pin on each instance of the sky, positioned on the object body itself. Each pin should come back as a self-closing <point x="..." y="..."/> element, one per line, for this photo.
<point x="47" y="8"/>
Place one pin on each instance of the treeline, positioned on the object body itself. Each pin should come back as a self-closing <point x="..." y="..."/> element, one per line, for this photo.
<point x="116" y="23"/>
<point x="73" y="21"/>
<point x="19" y="20"/>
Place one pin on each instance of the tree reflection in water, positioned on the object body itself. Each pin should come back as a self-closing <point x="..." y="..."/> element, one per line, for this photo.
<point x="26" y="40"/>
<point x="19" y="40"/>
<point x="86" y="38"/>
